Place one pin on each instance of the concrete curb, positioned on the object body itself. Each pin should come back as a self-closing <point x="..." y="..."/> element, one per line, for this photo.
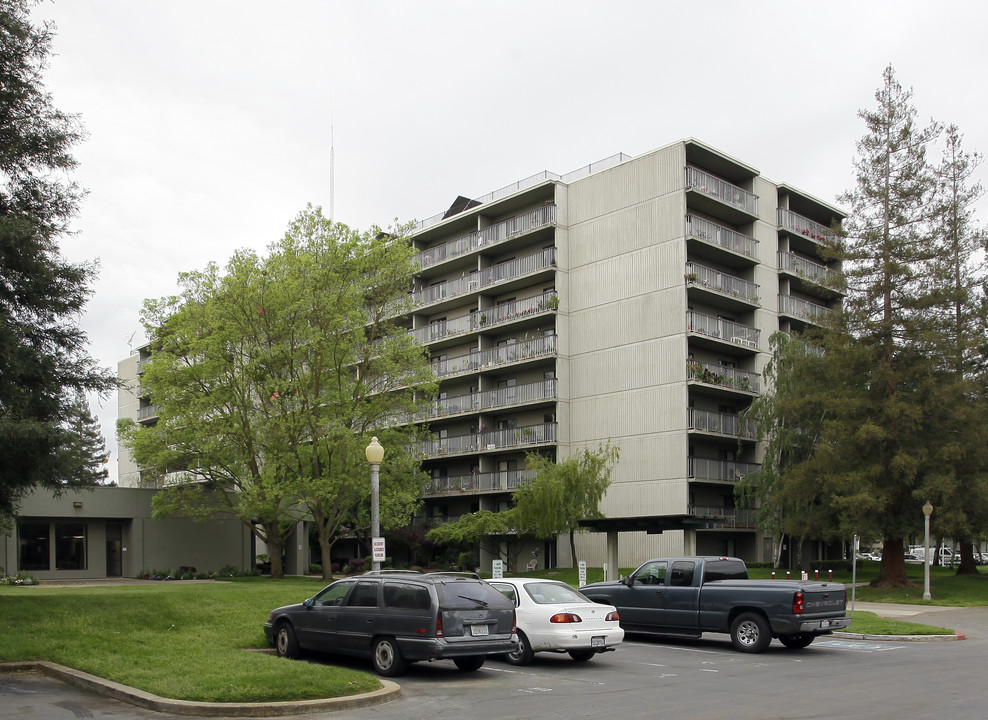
<point x="390" y="691"/>
<point x="900" y="638"/>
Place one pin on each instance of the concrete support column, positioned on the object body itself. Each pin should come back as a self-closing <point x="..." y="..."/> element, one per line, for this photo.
<point x="613" y="572"/>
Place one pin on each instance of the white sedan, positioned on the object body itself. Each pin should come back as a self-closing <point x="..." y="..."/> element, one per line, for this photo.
<point x="553" y="617"/>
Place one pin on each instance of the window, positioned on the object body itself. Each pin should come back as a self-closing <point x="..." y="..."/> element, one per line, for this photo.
<point x="34" y="546"/>
<point x="334" y="594"/>
<point x="682" y="573"/>
<point x="406" y="596"/>
<point x="70" y="546"/>
<point x="653" y="573"/>
<point x="364" y="595"/>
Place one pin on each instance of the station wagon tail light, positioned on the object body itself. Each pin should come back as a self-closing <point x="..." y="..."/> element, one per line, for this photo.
<point x="565" y="618"/>
<point x="798" y="604"/>
<point x="613" y="616"/>
<point x="439" y="625"/>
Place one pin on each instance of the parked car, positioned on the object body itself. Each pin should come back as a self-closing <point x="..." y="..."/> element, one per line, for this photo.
<point x="553" y="617"/>
<point x="911" y="558"/>
<point x="395" y="618"/>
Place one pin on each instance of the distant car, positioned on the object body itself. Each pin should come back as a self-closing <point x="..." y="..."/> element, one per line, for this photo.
<point x="553" y="617"/>
<point x="910" y="558"/>
<point x="398" y="618"/>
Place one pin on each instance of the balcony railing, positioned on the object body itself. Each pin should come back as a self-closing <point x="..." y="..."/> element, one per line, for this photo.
<point x="733" y="517"/>
<point x="487" y="277"/>
<point x="723" y="376"/>
<point x="490" y="399"/>
<point x="722" y="236"/>
<point x="799" y="225"/>
<point x="516" y="352"/>
<point x="498" y="315"/>
<point x="490" y="440"/>
<point x="722" y="190"/>
<point x="802" y="309"/>
<point x="814" y="272"/>
<point x="147" y="412"/>
<point x="720" y="423"/>
<point x="721" y="470"/>
<point x="504" y="230"/>
<point x="505" y="481"/>
<point x="726" y="330"/>
<point x="729" y="285"/>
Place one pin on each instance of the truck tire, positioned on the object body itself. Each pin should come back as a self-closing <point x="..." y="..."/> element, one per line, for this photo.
<point x="750" y="633"/>
<point x="796" y="642"/>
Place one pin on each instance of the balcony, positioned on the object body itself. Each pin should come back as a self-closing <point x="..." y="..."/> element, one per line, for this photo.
<point x="502" y="397"/>
<point x="724" y="517"/>
<point x="812" y="272"/>
<point x="720" y="198"/>
<point x="715" y="239"/>
<point x="728" y="471"/>
<point x="738" y="293"/>
<point x="722" y="331"/>
<point x="719" y="423"/>
<point x="492" y="317"/>
<point x="477" y="483"/>
<point x="723" y="376"/>
<point x="488" y="277"/>
<point x="490" y="440"/>
<point x="147" y="412"/>
<point x="498" y="233"/>
<point x="802" y="309"/>
<point x="805" y="235"/>
<point x="517" y="352"/>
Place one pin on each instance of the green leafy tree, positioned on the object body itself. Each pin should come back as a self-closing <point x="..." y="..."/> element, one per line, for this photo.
<point x="43" y="362"/>
<point x="483" y="527"/>
<point x="270" y="378"/>
<point x="563" y="493"/>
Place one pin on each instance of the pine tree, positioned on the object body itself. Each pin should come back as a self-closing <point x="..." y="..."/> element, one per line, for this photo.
<point x="43" y="363"/>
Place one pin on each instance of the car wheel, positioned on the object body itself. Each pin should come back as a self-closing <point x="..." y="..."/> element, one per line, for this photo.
<point x="469" y="663"/>
<point x="750" y="633"/>
<point x="581" y="655"/>
<point x="796" y="642"/>
<point x="285" y="643"/>
<point x="387" y="658"/>
<point x="522" y="654"/>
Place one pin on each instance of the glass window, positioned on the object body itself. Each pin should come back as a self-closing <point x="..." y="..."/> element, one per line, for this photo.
<point x="34" y="546"/>
<point x="364" y="595"/>
<point x="70" y="546"/>
<point x="507" y="590"/>
<point x="651" y="573"/>
<point x="682" y="573"/>
<point x="334" y="594"/>
<point x="406" y="596"/>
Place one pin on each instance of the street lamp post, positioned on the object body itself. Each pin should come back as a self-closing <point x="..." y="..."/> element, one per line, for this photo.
<point x="375" y="454"/>
<point x="927" y="511"/>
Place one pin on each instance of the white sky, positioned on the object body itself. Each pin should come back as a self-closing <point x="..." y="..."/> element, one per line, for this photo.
<point x="210" y="121"/>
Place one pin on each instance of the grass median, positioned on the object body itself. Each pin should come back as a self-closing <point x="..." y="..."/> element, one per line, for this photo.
<point x="176" y="640"/>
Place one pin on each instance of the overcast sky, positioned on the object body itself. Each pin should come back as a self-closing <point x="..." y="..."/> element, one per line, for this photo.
<point x="211" y="122"/>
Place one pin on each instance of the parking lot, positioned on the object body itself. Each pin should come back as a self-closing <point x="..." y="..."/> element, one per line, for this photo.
<point x="648" y="678"/>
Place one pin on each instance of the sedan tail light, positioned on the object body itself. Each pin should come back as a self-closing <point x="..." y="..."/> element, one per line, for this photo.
<point x="565" y="618"/>
<point x="613" y="616"/>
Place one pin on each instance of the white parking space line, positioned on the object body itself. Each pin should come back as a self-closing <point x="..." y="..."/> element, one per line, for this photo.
<point x="857" y="646"/>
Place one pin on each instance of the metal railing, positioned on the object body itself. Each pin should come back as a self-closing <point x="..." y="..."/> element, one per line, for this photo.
<point x="799" y="225"/>
<point x="721" y="236"/>
<point x="490" y="440"/>
<point x="722" y="470"/>
<point x="807" y="269"/>
<point x="803" y="309"/>
<point x="147" y="412"/>
<point x="733" y="517"/>
<point x="730" y="285"/>
<point x="479" y="279"/>
<point x="720" y="423"/>
<point x="490" y="399"/>
<point x="722" y="190"/>
<point x="498" y="315"/>
<point x="726" y="330"/>
<point x="499" y="232"/>
<point x="479" y="482"/>
<point x="723" y="376"/>
<point x="516" y="352"/>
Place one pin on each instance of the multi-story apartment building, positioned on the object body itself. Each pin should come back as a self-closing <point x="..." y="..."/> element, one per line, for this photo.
<point x="631" y="302"/>
<point x="133" y="403"/>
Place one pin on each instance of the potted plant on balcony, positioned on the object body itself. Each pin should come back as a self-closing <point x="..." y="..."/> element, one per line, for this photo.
<point x="690" y="277"/>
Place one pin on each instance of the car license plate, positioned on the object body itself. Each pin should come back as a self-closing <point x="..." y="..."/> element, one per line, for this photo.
<point x="824" y="623"/>
<point x="597" y="642"/>
<point x="477" y="630"/>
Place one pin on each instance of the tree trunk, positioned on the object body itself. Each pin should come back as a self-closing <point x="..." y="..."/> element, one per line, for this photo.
<point x="892" y="571"/>
<point x="967" y="566"/>
<point x="572" y="548"/>
<point x="325" y="553"/>
<point x="276" y="547"/>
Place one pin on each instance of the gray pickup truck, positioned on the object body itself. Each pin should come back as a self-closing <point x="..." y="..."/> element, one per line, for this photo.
<point x="688" y="596"/>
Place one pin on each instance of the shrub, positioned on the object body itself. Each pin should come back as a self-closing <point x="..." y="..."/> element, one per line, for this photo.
<point x="21" y="578"/>
<point x="467" y="561"/>
<point x="315" y="569"/>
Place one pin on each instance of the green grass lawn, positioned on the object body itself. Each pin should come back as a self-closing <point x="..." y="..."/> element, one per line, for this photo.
<point x="176" y="640"/>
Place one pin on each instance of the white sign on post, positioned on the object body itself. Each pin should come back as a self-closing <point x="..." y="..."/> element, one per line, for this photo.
<point x="379" y="552"/>
<point x="497" y="569"/>
<point x="583" y="572"/>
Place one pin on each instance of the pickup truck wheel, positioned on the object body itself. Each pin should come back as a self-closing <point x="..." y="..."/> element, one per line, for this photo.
<point x="469" y="663"/>
<point x="522" y="654"/>
<point x="387" y="657"/>
<point x="750" y="633"/>
<point x="796" y="642"/>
